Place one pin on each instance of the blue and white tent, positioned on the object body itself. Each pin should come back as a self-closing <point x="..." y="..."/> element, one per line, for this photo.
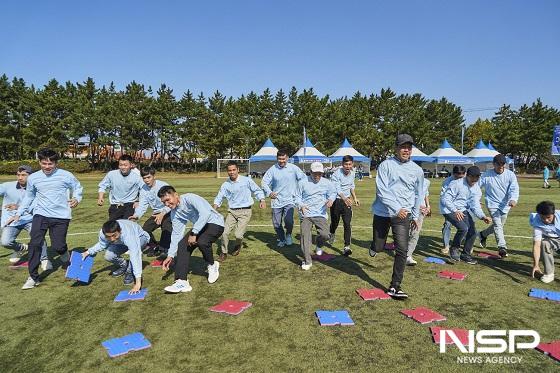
<point x="419" y="156"/>
<point x="347" y="149"/>
<point x="266" y="153"/>
<point x="494" y="152"/>
<point x="481" y="153"/>
<point x="447" y="155"/>
<point x="309" y="154"/>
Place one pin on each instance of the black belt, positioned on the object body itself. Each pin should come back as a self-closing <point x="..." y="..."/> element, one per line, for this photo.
<point x="122" y="204"/>
<point x="241" y="208"/>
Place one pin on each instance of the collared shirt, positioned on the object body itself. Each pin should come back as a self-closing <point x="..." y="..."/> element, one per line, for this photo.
<point x="444" y="187"/>
<point x="314" y="196"/>
<point x="500" y="189"/>
<point x="282" y="180"/>
<point x="344" y="183"/>
<point x="131" y="235"/>
<point x="195" y="209"/>
<point x="149" y="198"/>
<point x="238" y="192"/>
<point x="460" y="196"/>
<point x="48" y="195"/>
<point x="13" y="193"/>
<point x="399" y="186"/>
<point x="541" y="229"/>
<point x="122" y="189"/>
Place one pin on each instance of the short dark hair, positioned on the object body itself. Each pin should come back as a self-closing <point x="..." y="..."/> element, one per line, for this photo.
<point x="499" y="159"/>
<point x="546" y="208"/>
<point x="111" y="226"/>
<point x="148" y="170"/>
<point x="459" y="169"/>
<point x="165" y="190"/>
<point x="281" y="153"/>
<point x="126" y="157"/>
<point x="47" y="154"/>
<point x="232" y="163"/>
<point x="473" y="171"/>
<point x="347" y="158"/>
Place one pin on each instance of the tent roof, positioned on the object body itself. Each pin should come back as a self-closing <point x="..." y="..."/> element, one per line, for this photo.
<point x="266" y="153"/>
<point x="347" y="149"/>
<point x="309" y="154"/>
<point x="481" y="153"/>
<point x="419" y="156"/>
<point x="447" y="155"/>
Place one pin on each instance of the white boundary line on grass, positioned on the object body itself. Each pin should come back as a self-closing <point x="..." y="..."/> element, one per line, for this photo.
<point x="296" y="225"/>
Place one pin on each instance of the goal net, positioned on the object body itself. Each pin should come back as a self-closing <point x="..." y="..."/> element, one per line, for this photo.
<point x="221" y="167"/>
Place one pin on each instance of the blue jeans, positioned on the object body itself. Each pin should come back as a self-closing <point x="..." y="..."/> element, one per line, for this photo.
<point x="9" y="235"/>
<point x="466" y="230"/>
<point x="285" y="213"/>
<point x="446" y="233"/>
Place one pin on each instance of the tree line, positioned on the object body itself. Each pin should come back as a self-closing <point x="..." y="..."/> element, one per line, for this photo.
<point x="194" y="127"/>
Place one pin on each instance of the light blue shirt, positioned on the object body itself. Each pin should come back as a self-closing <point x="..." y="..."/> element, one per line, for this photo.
<point x="149" y="198"/>
<point x="48" y="195"/>
<point x="546" y="173"/>
<point x="238" y="192"/>
<point x="122" y="189"/>
<point x="399" y="186"/>
<point x="343" y="183"/>
<point x="500" y="189"/>
<point x="13" y="193"/>
<point x="459" y="196"/>
<point x="131" y="236"/>
<point x="444" y="187"/>
<point x="314" y="196"/>
<point x="545" y="230"/>
<point x="425" y="192"/>
<point x="282" y="181"/>
<point x="195" y="209"/>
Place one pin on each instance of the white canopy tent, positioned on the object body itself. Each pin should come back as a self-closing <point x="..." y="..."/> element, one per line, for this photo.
<point x="263" y="159"/>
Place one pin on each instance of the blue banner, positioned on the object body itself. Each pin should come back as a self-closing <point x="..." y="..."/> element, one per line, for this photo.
<point x="555" y="150"/>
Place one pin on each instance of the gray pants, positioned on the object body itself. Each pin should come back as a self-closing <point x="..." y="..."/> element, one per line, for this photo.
<point x="236" y="220"/>
<point x="414" y="235"/>
<point x="306" y="237"/>
<point x="287" y="214"/>
<point x="497" y="227"/>
<point x="548" y="247"/>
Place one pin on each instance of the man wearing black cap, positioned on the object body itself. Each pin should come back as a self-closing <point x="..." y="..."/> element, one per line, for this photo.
<point x="462" y="195"/>
<point x="502" y="193"/>
<point x="399" y="185"/>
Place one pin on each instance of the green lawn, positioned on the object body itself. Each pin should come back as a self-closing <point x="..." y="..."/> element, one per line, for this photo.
<point x="60" y="325"/>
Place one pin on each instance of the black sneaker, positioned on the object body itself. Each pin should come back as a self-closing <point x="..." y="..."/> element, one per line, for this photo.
<point x="482" y="240"/>
<point x="502" y="251"/>
<point x="121" y="270"/>
<point x="128" y="278"/>
<point x="372" y="251"/>
<point x="331" y="238"/>
<point x="468" y="259"/>
<point x="347" y="251"/>
<point x="454" y="254"/>
<point x="153" y="251"/>
<point x="397" y="293"/>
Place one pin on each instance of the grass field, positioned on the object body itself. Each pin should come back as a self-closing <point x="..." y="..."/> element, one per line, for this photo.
<point x="60" y="325"/>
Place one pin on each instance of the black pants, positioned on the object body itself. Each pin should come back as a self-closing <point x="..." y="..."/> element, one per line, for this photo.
<point x="401" y="229"/>
<point x="166" y="228"/>
<point x="466" y="230"/>
<point x="57" y="231"/>
<point x="339" y="209"/>
<point x="206" y="237"/>
<point x="124" y="211"/>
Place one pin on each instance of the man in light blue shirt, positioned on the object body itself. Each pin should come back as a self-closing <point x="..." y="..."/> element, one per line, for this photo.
<point x="12" y="193"/>
<point x="117" y="237"/>
<point x="124" y="187"/>
<point x="399" y="186"/>
<point x="280" y="183"/>
<point x="459" y="172"/>
<point x="160" y="213"/>
<point x="314" y="196"/>
<point x="237" y="191"/>
<point x="343" y="179"/>
<point x="546" y="175"/>
<point x="546" y="239"/>
<point x="502" y="193"/>
<point x="460" y="197"/>
<point x="51" y="193"/>
<point x="208" y="226"/>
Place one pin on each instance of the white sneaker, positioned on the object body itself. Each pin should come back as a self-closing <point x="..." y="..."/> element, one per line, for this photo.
<point x="306" y="267"/>
<point x="65" y="258"/>
<point x="547" y="278"/>
<point x="280" y="244"/>
<point x="30" y="284"/>
<point x="318" y="251"/>
<point x="46" y="265"/>
<point x="289" y="241"/>
<point x="15" y="257"/>
<point x="213" y="272"/>
<point x="410" y="261"/>
<point x="179" y="286"/>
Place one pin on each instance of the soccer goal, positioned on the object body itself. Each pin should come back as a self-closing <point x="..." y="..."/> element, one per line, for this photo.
<point x="221" y="166"/>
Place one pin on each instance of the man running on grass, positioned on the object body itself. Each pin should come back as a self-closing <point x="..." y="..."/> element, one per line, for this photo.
<point x="459" y="172"/>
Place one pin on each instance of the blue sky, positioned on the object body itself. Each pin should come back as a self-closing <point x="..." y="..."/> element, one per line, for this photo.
<point x="478" y="54"/>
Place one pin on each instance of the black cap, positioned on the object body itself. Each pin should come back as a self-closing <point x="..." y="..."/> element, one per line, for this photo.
<point x="25" y="168"/>
<point x="499" y="159"/>
<point x="473" y="171"/>
<point x="404" y="138"/>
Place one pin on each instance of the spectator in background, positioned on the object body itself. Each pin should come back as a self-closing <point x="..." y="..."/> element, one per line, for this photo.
<point x="546" y="176"/>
